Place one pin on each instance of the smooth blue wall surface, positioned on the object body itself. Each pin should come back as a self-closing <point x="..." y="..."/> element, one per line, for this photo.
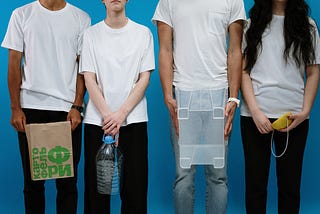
<point x="161" y="163"/>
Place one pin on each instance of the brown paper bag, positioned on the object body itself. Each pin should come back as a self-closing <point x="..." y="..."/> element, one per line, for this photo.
<point x="50" y="150"/>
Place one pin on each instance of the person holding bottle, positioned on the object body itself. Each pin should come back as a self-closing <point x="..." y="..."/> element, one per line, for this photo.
<point x="117" y="59"/>
<point x="45" y="86"/>
<point x="281" y="74"/>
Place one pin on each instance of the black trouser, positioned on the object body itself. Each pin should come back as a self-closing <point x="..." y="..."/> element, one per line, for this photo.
<point x="133" y="143"/>
<point x="34" y="194"/>
<point x="257" y="154"/>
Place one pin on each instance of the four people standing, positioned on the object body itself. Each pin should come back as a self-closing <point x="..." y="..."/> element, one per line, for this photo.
<point x="200" y="48"/>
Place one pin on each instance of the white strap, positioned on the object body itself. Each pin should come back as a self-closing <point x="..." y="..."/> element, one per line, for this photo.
<point x="285" y="149"/>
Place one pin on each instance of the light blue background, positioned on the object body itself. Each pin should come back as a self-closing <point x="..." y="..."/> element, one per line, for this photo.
<point x="161" y="163"/>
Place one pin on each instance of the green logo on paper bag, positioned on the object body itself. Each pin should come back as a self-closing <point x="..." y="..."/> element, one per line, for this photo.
<point x="58" y="155"/>
<point x="51" y="164"/>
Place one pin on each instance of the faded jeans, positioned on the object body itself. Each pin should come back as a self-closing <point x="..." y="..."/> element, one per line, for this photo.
<point x="216" y="185"/>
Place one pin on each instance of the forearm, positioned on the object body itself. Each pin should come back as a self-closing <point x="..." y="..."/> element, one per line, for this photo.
<point x="235" y="58"/>
<point x="14" y="83"/>
<point x="234" y="72"/>
<point x="166" y="72"/>
<point x="165" y="33"/>
<point x="248" y="93"/>
<point x="14" y="79"/>
<point x="95" y="94"/>
<point x="137" y="93"/>
<point x="311" y="88"/>
<point x="80" y="90"/>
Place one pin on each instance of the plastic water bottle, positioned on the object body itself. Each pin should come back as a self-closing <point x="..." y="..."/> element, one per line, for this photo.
<point x="108" y="161"/>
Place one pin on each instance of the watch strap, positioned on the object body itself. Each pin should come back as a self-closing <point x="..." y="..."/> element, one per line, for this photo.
<point x="78" y="108"/>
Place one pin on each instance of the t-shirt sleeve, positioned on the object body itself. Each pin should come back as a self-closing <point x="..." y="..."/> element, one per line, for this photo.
<point x="14" y="36"/>
<point x="163" y="13"/>
<point x="316" y="42"/>
<point x="85" y="23"/>
<point x="87" y="62"/>
<point x="147" y="61"/>
<point x="244" y="40"/>
<point x="237" y="11"/>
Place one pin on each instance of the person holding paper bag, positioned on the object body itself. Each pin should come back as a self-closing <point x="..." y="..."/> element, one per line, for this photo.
<point x="44" y="41"/>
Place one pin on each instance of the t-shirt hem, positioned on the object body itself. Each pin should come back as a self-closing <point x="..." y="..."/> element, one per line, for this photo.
<point x="48" y="108"/>
<point x="93" y="122"/>
<point x="147" y="69"/>
<point x="155" y="20"/>
<point x="238" y="19"/>
<point x="12" y="47"/>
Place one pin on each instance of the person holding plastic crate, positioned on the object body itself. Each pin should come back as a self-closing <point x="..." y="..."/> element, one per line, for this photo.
<point x="194" y="56"/>
<point x="117" y="58"/>
<point x="281" y="75"/>
<point x="44" y="41"/>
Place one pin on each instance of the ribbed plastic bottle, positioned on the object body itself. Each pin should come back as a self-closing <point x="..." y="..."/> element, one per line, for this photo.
<point x="108" y="161"/>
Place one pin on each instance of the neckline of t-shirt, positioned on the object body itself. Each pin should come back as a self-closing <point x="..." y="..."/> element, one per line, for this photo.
<point x="278" y="16"/>
<point x="52" y="11"/>
<point x="117" y="30"/>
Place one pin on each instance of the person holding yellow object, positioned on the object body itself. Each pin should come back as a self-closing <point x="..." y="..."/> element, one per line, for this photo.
<point x="279" y="33"/>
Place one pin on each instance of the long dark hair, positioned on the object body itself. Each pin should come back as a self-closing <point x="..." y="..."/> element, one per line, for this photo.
<point x="297" y="32"/>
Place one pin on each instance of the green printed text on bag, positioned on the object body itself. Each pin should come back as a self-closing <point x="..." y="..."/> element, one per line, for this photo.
<point x="50" y="150"/>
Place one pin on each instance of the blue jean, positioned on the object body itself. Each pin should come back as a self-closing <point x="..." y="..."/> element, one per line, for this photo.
<point x="216" y="185"/>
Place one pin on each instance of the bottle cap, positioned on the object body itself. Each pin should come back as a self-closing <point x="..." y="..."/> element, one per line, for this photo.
<point x="108" y="139"/>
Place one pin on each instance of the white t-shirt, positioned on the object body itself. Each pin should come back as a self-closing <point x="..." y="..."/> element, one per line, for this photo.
<point x="117" y="57"/>
<point x="200" y="30"/>
<point x="278" y="85"/>
<point x="50" y="42"/>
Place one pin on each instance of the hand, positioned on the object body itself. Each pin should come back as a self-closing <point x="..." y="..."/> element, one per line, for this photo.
<point x="173" y="110"/>
<point x="229" y="114"/>
<point x="296" y="120"/>
<point x="74" y="117"/>
<point x="18" y="120"/>
<point x="112" y="122"/>
<point x="263" y="124"/>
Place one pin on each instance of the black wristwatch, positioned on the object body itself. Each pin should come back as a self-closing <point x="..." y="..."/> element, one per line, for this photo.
<point x="78" y="108"/>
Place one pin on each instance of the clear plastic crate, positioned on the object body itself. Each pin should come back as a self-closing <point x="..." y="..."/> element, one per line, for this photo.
<point x="201" y="127"/>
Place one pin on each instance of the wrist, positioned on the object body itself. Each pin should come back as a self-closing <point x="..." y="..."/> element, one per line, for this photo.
<point x="235" y="100"/>
<point x="254" y="111"/>
<point x="77" y="107"/>
<point x="169" y="99"/>
<point x="125" y="111"/>
<point x="16" y="108"/>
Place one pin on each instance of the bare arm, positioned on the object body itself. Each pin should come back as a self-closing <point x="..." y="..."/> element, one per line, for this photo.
<point x="310" y="92"/>
<point x="80" y="89"/>
<point x="96" y="94"/>
<point x="166" y="69"/>
<point x="260" y="119"/>
<point x="74" y="116"/>
<point x="234" y="71"/>
<point x="18" y="118"/>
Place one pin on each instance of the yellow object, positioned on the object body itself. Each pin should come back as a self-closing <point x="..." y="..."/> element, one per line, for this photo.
<point x="282" y="122"/>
